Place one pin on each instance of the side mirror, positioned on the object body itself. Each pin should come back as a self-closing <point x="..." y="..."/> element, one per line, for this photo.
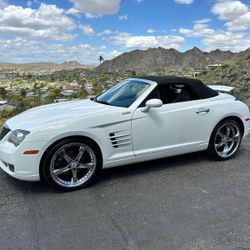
<point x="153" y="103"/>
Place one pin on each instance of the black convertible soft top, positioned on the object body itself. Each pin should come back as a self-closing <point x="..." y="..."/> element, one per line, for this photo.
<point x="201" y="90"/>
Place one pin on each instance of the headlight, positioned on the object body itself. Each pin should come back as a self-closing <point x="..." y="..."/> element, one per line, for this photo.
<point x="17" y="136"/>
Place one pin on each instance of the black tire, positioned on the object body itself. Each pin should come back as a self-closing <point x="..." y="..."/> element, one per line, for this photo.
<point x="54" y="157"/>
<point x="214" y="147"/>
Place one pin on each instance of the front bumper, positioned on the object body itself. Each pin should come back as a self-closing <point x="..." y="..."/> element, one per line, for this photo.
<point x="16" y="164"/>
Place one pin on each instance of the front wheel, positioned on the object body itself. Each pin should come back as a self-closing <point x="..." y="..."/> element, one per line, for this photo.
<point x="71" y="164"/>
<point x="225" y="140"/>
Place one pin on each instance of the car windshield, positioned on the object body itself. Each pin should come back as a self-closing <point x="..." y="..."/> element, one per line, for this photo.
<point x="123" y="94"/>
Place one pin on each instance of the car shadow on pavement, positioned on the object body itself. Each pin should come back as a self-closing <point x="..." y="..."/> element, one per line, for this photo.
<point x="152" y="166"/>
<point x="186" y="160"/>
<point x="111" y="174"/>
<point x="29" y="187"/>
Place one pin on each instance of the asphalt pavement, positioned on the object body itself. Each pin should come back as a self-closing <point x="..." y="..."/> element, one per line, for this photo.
<point x="185" y="202"/>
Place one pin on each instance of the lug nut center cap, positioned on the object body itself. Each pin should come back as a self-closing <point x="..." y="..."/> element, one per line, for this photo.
<point x="74" y="164"/>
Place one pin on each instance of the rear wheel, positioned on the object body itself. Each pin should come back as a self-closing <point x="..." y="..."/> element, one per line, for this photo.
<point x="71" y="164"/>
<point x="225" y="140"/>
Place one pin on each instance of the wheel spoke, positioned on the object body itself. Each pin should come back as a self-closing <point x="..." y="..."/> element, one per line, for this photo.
<point x="219" y="145"/>
<point x="61" y="170"/>
<point x="80" y="154"/>
<point x="73" y="164"/>
<point x="74" y="175"/>
<point x="228" y="131"/>
<point x="226" y="148"/>
<point x="234" y="138"/>
<point x="227" y="140"/>
<point x="66" y="157"/>
<point x="220" y="135"/>
<point x="86" y="166"/>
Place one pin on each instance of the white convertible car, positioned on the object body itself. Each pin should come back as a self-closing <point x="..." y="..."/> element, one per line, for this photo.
<point x="137" y="120"/>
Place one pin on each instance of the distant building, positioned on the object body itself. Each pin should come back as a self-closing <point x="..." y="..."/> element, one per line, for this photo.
<point x="4" y="105"/>
<point x="89" y="87"/>
<point x="3" y="102"/>
<point x="82" y="75"/>
<point x="60" y="100"/>
<point x="214" y="65"/>
<point x="74" y="85"/>
<point x="31" y="94"/>
<point x="68" y="92"/>
<point x="44" y="96"/>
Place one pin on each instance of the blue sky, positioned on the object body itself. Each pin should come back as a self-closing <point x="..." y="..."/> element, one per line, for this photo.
<point x="50" y="30"/>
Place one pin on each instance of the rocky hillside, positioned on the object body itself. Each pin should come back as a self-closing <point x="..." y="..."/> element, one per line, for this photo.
<point x="72" y="64"/>
<point x="236" y="73"/>
<point x="160" y="59"/>
<point x="69" y="65"/>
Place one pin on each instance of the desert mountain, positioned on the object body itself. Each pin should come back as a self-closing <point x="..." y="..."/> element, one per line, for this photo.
<point x="158" y="59"/>
<point x="236" y="73"/>
<point x="72" y="63"/>
<point x="68" y="65"/>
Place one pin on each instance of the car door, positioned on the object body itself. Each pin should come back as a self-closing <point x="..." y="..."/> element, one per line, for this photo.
<point x="173" y="126"/>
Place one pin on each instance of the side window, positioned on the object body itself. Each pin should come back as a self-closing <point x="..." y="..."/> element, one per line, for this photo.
<point x="168" y="94"/>
<point x="155" y="94"/>
<point x="185" y="93"/>
<point x="173" y="93"/>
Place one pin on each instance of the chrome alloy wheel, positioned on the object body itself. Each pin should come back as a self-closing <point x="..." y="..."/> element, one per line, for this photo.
<point x="73" y="164"/>
<point x="227" y="140"/>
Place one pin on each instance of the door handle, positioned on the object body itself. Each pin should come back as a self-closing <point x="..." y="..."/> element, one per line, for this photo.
<point x="202" y="111"/>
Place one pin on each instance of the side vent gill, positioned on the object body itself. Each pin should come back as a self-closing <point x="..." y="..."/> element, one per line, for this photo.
<point x="120" y="139"/>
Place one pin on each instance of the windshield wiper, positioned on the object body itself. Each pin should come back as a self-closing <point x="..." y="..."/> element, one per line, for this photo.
<point x="102" y="102"/>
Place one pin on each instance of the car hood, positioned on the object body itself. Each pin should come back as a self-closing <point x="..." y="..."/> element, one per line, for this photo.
<point x="58" y="114"/>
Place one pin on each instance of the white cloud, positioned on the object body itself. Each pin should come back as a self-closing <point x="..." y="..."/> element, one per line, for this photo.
<point x="204" y="20"/>
<point x="46" y="22"/>
<point x="184" y="1"/>
<point x="139" y="1"/>
<point x="50" y="34"/>
<point x="112" y="54"/>
<point x="29" y="3"/>
<point x="105" y="33"/>
<point x="199" y="30"/>
<point x="123" y="17"/>
<point x="23" y="50"/>
<point x="129" y="41"/>
<point x="95" y="8"/>
<point x="241" y="23"/>
<point x="87" y="30"/>
<point x="73" y="12"/>
<point x="221" y="39"/>
<point x="229" y="10"/>
<point x="3" y="4"/>
<point x="151" y="31"/>
<point x="227" y="41"/>
<point x="235" y="13"/>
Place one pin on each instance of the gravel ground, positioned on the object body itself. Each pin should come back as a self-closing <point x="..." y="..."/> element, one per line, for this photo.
<point x="187" y="202"/>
